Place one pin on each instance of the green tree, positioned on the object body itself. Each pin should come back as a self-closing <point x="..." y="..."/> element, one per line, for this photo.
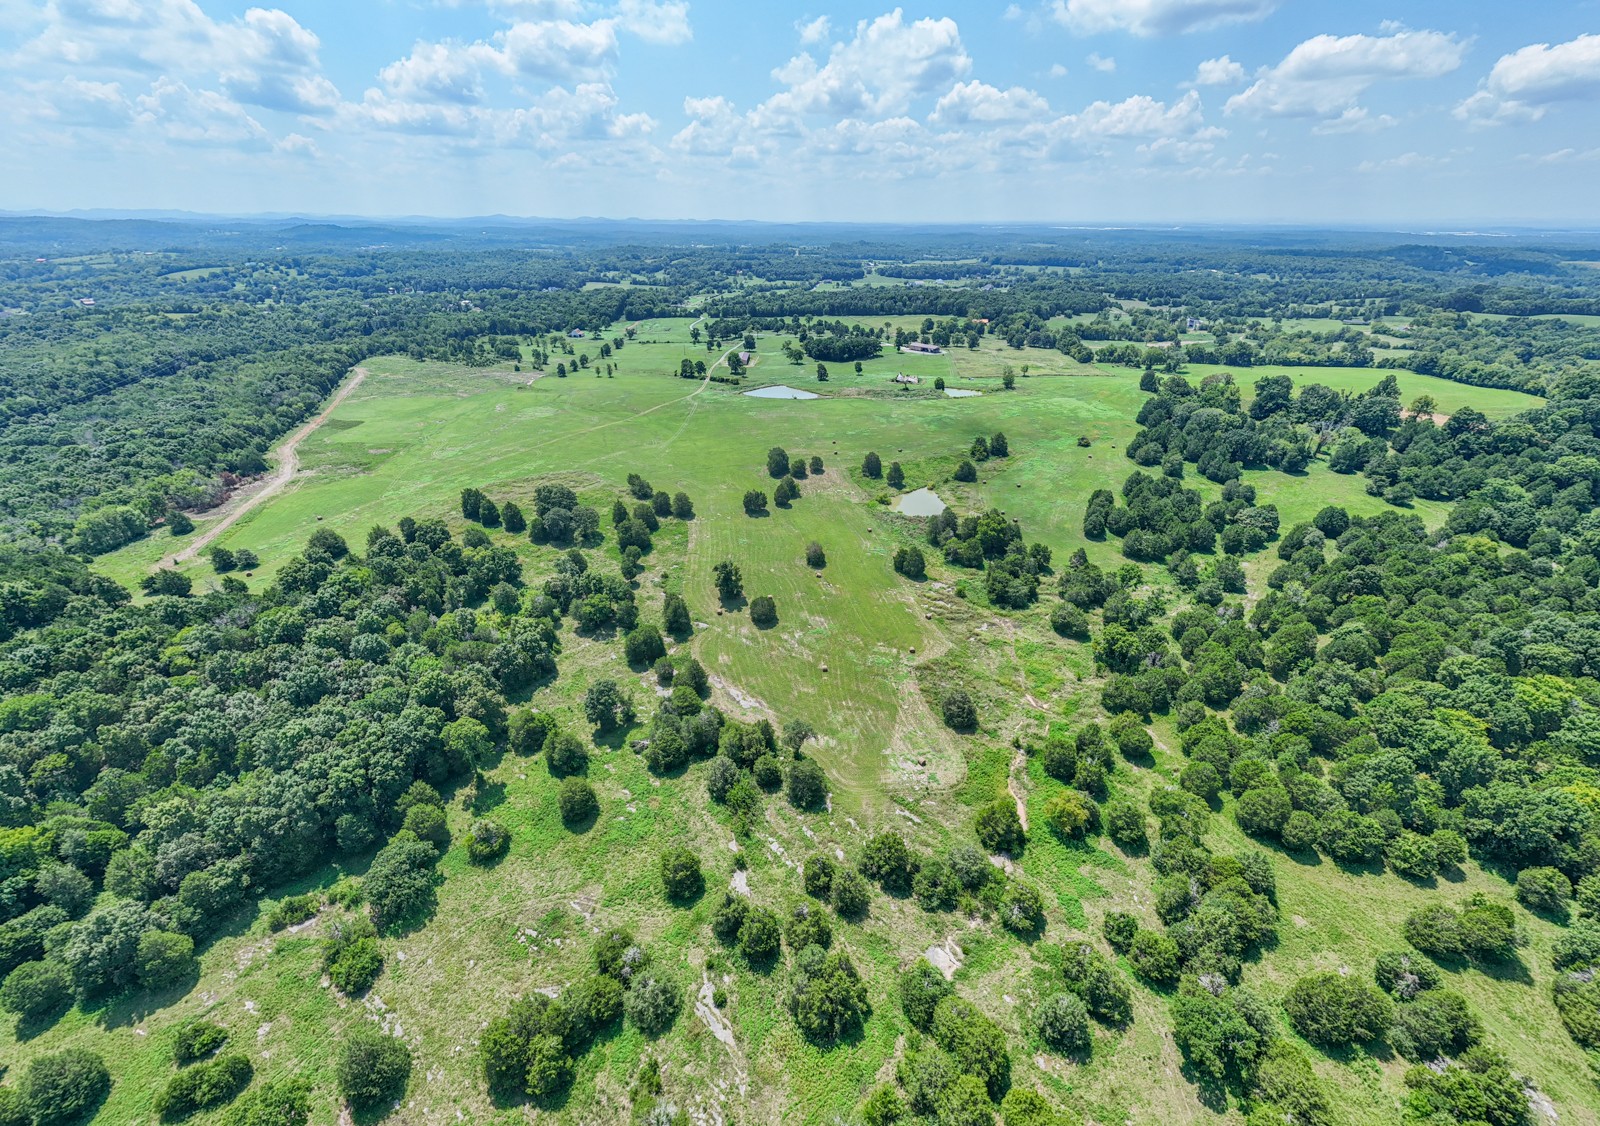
<point x="680" y="875"/>
<point x="372" y="1068"/>
<point x="63" y="1086"/>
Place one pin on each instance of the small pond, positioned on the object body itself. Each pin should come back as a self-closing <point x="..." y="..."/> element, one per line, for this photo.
<point x="923" y="502"/>
<point x="960" y="393"/>
<point x="781" y="392"/>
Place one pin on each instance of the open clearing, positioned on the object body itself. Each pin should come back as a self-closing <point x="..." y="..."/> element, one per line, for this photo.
<point x="411" y="436"/>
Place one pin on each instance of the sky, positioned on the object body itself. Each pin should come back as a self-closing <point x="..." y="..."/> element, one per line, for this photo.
<point x="1438" y="114"/>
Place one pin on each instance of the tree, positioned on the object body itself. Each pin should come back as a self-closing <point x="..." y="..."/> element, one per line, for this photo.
<point x="1545" y="890"/>
<point x="966" y="471"/>
<point x="755" y="503"/>
<point x="682" y="506"/>
<point x="896" y="478"/>
<point x="807" y="785"/>
<point x="280" y="1102"/>
<point x="577" y="802"/>
<point x="35" y="990"/>
<point x="203" y="1085"/>
<point x="372" y="1068"/>
<point x="680" y="875"/>
<point x="605" y="706"/>
<point x="730" y="583"/>
<point x="1154" y="957"/>
<point x="1437" y="1024"/>
<point x="827" y="996"/>
<point x="998" y="446"/>
<point x="822" y="373"/>
<point x="974" y="1041"/>
<point x="1063" y="1023"/>
<point x="960" y="713"/>
<point x="400" y="881"/>
<point x="910" y="562"/>
<point x="777" y="462"/>
<point x="1072" y="815"/>
<point x="759" y="935"/>
<point x="816" y="558"/>
<point x="871" y="467"/>
<point x="887" y="860"/>
<point x="1125" y="824"/>
<point x="64" y="1086"/>
<point x="786" y="493"/>
<point x="178" y="523"/>
<point x="921" y="988"/>
<point x="998" y="827"/>
<point x="851" y="894"/>
<point x="565" y="755"/>
<point x="167" y="581"/>
<point x="487" y="840"/>
<point x="644" y="645"/>
<point x="163" y="958"/>
<point x="512" y="519"/>
<point x="1332" y="1009"/>
<point x="675" y="616"/>
<point x="652" y="1004"/>
<point x="764" y="611"/>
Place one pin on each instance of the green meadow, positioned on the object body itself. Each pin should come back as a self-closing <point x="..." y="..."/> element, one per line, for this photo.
<point x="858" y="652"/>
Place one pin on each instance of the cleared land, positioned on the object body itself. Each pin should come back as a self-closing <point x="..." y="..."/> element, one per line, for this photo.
<point x="412" y="435"/>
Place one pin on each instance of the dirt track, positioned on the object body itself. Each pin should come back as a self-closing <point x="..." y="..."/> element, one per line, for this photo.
<point x="288" y="456"/>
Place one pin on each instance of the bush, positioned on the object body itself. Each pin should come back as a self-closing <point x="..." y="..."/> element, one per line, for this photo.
<point x="1069" y="621"/>
<point x="372" y="1068"/>
<point x="1125" y="824"/>
<point x="884" y="1107"/>
<point x="1544" y="890"/>
<point x="487" y="840"/>
<point x="400" y="880"/>
<point x="1412" y="854"/>
<point x="680" y="875"/>
<point x="64" y="1086"/>
<point x="960" y="713"/>
<point x="887" y="860"/>
<point x="204" y="1085"/>
<point x="966" y="471"/>
<point x="999" y="828"/>
<point x="721" y="777"/>
<point x="1331" y="1009"/>
<point x="1091" y="976"/>
<point x="1063" y="1023"/>
<point x="196" y="1040"/>
<point x="759" y="935"/>
<point x="1403" y="975"/>
<point x="283" y="1102"/>
<point x="652" y="1004"/>
<point x="816" y="558"/>
<point x="1021" y="908"/>
<point x="35" y="990"/>
<point x="1022" y="1107"/>
<point x="163" y="958"/>
<point x="644" y="646"/>
<point x="1072" y="815"/>
<point x="1119" y="928"/>
<point x="755" y="503"/>
<point x="808" y="926"/>
<point x="1154" y="957"/>
<point x="293" y="910"/>
<point x="807" y="785"/>
<point x="910" y="562"/>
<point x="764" y="611"/>
<point x="935" y="886"/>
<point x="577" y="802"/>
<point x="1438" y="1023"/>
<point x="766" y="773"/>
<point x="851" y="894"/>
<point x="974" y="1042"/>
<point x="1482" y="928"/>
<point x="1299" y="832"/>
<point x="827" y="996"/>
<point x="352" y="958"/>
<point x="921" y="989"/>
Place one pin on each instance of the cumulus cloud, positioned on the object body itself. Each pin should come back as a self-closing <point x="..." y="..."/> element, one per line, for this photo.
<point x="979" y="103"/>
<point x="1325" y="75"/>
<point x="1157" y="17"/>
<point x="656" y="21"/>
<point x="886" y="64"/>
<point x="814" y="31"/>
<point x="1218" y="72"/>
<point x="1102" y="64"/>
<point x="1526" y="83"/>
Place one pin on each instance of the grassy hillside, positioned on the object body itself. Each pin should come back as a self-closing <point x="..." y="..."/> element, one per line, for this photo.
<point x="415" y="434"/>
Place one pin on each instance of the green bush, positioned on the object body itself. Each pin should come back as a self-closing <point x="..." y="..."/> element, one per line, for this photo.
<point x="487" y="841"/>
<point x="921" y="989"/>
<point x="1120" y="929"/>
<point x="35" y="990"/>
<point x="400" y="881"/>
<point x="680" y="875"/>
<point x="999" y="828"/>
<point x="1154" y="957"/>
<point x="1545" y="890"/>
<point x="372" y="1068"/>
<point x="196" y="1040"/>
<point x="974" y="1041"/>
<point x="1438" y="1023"/>
<point x="652" y="1004"/>
<point x="203" y="1085"/>
<point x="64" y="1086"/>
<point x="1332" y="1009"/>
<point x="827" y="996"/>
<point x="577" y="802"/>
<point x="1063" y="1023"/>
<point x="293" y="910"/>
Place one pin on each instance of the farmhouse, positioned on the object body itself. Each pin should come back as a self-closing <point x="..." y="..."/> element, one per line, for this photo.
<point x="924" y="349"/>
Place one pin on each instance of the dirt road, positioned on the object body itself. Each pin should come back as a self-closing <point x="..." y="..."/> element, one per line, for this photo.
<point x="288" y="465"/>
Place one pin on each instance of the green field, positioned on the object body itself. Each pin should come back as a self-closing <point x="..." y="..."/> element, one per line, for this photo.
<point x="1494" y="402"/>
<point x="415" y="434"/>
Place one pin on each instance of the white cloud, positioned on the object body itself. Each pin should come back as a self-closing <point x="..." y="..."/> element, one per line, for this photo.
<point x="1102" y="64"/>
<point x="1356" y="119"/>
<point x="71" y="101"/>
<point x="1325" y="75"/>
<point x="878" y="72"/>
<point x="1408" y="160"/>
<point x="1157" y="17"/>
<point x="199" y="117"/>
<point x="1218" y="72"/>
<point x="443" y="72"/>
<point x="1140" y="116"/>
<point x="1058" y="71"/>
<point x="656" y="21"/>
<point x="1524" y="84"/>
<point x="979" y="103"/>
<point x="814" y="31"/>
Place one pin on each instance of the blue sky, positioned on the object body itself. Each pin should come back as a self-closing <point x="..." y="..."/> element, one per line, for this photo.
<point x="1414" y="112"/>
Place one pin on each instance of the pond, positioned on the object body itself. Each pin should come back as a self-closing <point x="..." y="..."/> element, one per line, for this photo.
<point x="923" y="502"/>
<point x="781" y="392"/>
<point x="960" y="393"/>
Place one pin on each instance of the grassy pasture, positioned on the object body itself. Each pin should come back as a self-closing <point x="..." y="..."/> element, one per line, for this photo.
<point x="414" y="434"/>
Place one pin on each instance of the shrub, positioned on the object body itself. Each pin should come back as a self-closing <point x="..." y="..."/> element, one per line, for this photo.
<point x="1438" y="1023"/>
<point x="293" y="910"/>
<point x="887" y="860"/>
<point x="680" y="874"/>
<point x="1220" y="1035"/>
<point x="1091" y="976"/>
<point x="999" y="828"/>
<point x="1482" y="928"/>
<point x="1120" y="928"/>
<point x="163" y="958"/>
<point x="1299" y="832"/>
<point x="1332" y="1009"/>
<point x="1403" y="975"/>
<point x="565" y="755"/>
<point x="729" y="917"/>
<point x="1412" y="854"/>
<point x="827" y="996"/>
<point x="1022" y="1107"/>
<point x="935" y="886"/>
<point x="64" y="1086"/>
<point x="652" y="1004"/>
<point x="1069" y="621"/>
<point x="816" y="558"/>
<point x="766" y="773"/>
<point x="1072" y="815"/>
<point x="352" y="957"/>
<point x="755" y="503"/>
<point x="1544" y="890"/>
<point x="973" y="1041"/>
<point x="372" y="1068"/>
<point x="910" y="562"/>
<point x="198" y="1039"/>
<point x="764" y="611"/>
<point x="871" y="466"/>
<point x="35" y="990"/>
<point x="487" y="840"/>
<point x="884" y="1107"/>
<point x="966" y="1102"/>
<point x="759" y="935"/>
<point x="203" y="1085"/>
<point x="1063" y="1023"/>
<point x="721" y="777"/>
<point x="851" y="893"/>
<point x="577" y="802"/>
<point x="808" y="926"/>
<point x="644" y="646"/>
<point x="807" y="785"/>
<point x="1154" y="957"/>
<point x="818" y="875"/>
<point x="1125" y="824"/>
<point x="282" y="1102"/>
<point x="1021" y="908"/>
<point x="921" y="989"/>
<point x="966" y="471"/>
<point x="400" y="880"/>
<point x="1263" y="811"/>
<point x="960" y="713"/>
